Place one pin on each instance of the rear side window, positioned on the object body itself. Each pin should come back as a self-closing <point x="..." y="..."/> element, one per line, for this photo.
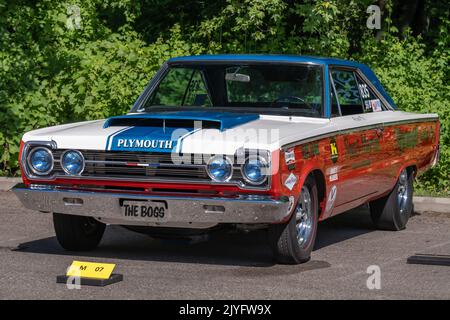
<point x="371" y="102"/>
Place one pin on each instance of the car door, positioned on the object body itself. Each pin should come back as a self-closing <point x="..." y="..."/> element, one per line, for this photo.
<point x="359" y="141"/>
<point x="384" y="158"/>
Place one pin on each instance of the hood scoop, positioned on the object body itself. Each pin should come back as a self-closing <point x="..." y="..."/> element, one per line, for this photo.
<point x="187" y="119"/>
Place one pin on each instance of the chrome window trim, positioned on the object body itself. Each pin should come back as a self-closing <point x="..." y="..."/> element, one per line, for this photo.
<point x="334" y="92"/>
<point x="139" y="105"/>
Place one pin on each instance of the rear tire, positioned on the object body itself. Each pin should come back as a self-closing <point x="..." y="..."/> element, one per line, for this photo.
<point x="77" y="233"/>
<point x="392" y="212"/>
<point x="292" y="242"/>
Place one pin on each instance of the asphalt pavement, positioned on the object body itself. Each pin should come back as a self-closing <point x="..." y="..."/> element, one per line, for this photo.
<point x="229" y="265"/>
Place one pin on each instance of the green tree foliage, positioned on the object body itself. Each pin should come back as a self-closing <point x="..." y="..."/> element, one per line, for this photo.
<point x="58" y="65"/>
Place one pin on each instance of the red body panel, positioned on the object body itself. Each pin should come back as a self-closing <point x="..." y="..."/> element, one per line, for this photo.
<point x="362" y="164"/>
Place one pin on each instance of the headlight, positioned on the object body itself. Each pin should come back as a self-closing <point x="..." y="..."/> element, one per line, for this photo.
<point x="219" y="168"/>
<point x="40" y="161"/>
<point x="254" y="170"/>
<point x="72" y="162"/>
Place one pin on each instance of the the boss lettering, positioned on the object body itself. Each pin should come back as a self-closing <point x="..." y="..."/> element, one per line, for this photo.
<point x="144" y="211"/>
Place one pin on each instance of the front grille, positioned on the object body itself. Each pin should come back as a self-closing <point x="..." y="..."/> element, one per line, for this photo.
<point x="141" y="166"/>
<point x="133" y="164"/>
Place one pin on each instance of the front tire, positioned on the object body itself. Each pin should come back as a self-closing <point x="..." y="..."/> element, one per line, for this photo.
<point x="292" y="242"/>
<point x="77" y="233"/>
<point x="392" y="212"/>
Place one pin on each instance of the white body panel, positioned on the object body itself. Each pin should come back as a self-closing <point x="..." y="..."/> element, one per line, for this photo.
<point x="266" y="133"/>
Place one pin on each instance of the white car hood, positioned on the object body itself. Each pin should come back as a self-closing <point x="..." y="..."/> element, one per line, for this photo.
<point x="264" y="133"/>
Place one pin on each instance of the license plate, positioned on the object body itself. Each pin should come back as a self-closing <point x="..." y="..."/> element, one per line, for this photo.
<point x="147" y="210"/>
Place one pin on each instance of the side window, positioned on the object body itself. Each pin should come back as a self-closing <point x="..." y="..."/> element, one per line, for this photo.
<point x="181" y="86"/>
<point x="370" y="100"/>
<point x="347" y="91"/>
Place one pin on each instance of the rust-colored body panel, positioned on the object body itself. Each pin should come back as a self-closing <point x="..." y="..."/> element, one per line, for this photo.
<point x="362" y="164"/>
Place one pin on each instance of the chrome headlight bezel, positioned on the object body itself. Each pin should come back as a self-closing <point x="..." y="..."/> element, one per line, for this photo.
<point x="266" y="166"/>
<point x="64" y="167"/>
<point x="226" y="159"/>
<point x="31" y="166"/>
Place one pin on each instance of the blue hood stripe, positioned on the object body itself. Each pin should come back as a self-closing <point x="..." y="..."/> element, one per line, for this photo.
<point x="168" y="139"/>
<point x="226" y="120"/>
<point x="108" y="141"/>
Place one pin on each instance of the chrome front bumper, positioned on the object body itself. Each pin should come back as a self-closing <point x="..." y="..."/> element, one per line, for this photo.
<point x="184" y="211"/>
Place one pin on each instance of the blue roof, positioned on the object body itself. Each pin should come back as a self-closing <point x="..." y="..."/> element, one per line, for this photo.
<point x="290" y="58"/>
<point x="267" y="58"/>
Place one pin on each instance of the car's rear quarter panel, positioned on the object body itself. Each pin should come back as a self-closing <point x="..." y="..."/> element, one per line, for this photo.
<point x="363" y="164"/>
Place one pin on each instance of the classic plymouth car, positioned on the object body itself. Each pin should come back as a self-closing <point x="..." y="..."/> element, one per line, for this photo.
<point x="241" y="141"/>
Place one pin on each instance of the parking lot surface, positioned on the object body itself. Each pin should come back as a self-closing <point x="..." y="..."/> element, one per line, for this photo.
<point x="228" y="265"/>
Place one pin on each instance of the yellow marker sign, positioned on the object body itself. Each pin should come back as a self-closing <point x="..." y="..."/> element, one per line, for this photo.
<point x="93" y="270"/>
<point x="333" y="148"/>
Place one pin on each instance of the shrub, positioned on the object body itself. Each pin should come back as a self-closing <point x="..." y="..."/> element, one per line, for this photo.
<point x="56" y="69"/>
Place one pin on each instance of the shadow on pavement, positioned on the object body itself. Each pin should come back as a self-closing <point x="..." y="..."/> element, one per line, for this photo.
<point x="118" y="243"/>
<point x="342" y="227"/>
<point x="222" y="248"/>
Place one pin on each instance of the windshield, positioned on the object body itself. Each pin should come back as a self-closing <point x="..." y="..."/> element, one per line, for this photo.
<point x="263" y="88"/>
